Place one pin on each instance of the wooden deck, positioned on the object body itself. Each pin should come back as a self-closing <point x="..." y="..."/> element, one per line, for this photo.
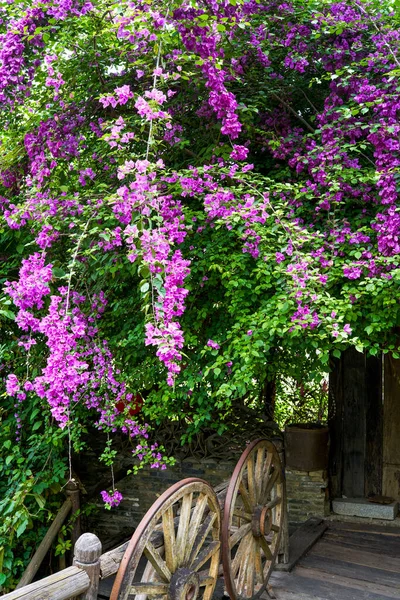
<point x="350" y="562"/>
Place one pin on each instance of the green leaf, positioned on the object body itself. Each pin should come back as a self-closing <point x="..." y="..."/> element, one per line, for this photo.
<point x="58" y="272"/>
<point x="144" y="287"/>
<point x="7" y="313"/>
<point x="21" y="527"/>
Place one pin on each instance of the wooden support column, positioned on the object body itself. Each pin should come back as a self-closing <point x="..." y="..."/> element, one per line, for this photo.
<point x="374" y="427"/>
<point x="87" y="557"/>
<point x="336" y="427"/>
<point x="283" y="555"/>
<point x="391" y="428"/>
<point x="72" y="491"/>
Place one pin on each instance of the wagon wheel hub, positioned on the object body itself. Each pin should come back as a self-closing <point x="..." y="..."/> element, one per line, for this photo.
<point x="184" y="585"/>
<point x="262" y="521"/>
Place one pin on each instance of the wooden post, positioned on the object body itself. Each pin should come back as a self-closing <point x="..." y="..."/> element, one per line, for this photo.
<point x="283" y="555"/>
<point x="87" y="557"/>
<point x="72" y="491"/>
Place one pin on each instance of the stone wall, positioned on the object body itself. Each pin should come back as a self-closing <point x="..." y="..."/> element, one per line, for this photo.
<point x="141" y="490"/>
<point x="307" y="495"/>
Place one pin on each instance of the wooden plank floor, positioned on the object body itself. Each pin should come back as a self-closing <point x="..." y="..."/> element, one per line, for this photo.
<point x="349" y="562"/>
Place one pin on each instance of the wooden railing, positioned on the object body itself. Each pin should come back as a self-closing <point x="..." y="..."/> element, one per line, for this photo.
<point x="70" y="504"/>
<point x="79" y="581"/>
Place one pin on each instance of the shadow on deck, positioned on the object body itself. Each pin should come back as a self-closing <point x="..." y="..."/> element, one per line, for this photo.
<point x="351" y="561"/>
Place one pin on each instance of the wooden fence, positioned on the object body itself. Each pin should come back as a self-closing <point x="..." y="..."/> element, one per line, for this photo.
<point x="81" y="581"/>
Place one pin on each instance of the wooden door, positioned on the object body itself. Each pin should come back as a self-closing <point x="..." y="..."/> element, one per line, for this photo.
<point x="391" y="428"/>
<point x="356" y="426"/>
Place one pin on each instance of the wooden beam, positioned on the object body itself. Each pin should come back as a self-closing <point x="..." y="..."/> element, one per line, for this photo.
<point x="302" y="540"/>
<point x="44" y="545"/>
<point x="60" y="586"/>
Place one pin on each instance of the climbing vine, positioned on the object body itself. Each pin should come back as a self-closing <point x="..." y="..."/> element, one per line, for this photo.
<point x="196" y="197"/>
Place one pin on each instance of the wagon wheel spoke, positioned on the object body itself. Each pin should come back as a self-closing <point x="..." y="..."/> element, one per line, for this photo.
<point x="277" y="500"/>
<point x="205" y="555"/>
<point x="183" y="527"/>
<point x="205" y="579"/>
<point x="266" y="474"/>
<point x="258" y="565"/>
<point x="169" y="538"/>
<point x="240" y="553"/>
<point x="265" y="548"/>
<point x="245" y="498"/>
<point x="238" y="512"/>
<point x="237" y="536"/>
<point x="251" y="484"/>
<point x="149" y="589"/>
<point x="195" y="524"/>
<point x="260" y="458"/>
<point x="245" y="579"/>
<point x="201" y="536"/>
<point x="157" y="562"/>
<point x="272" y="480"/>
<point x="252" y="523"/>
<point x="186" y="564"/>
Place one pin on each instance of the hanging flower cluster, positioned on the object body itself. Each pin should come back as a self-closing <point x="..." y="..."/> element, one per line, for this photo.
<point x="242" y="149"/>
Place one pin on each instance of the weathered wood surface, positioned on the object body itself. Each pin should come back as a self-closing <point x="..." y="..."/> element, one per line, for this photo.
<point x="391" y="450"/>
<point x="109" y="561"/>
<point x="356" y="425"/>
<point x="72" y="491"/>
<point x="253" y="520"/>
<point x="302" y="540"/>
<point x="386" y="530"/>
<point x="190" y="543"/>
<point x="64" y="585"/>
<point x="350" y="562"/>
<point x="87" y="557"/>
<point x="336" y="427"/>
<point x="374" y="427"/>
<point x="45" y="544"/>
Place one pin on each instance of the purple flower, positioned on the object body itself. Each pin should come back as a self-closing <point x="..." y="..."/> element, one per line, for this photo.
<point x="12" y="385"/>
<point x="113" y="498"/>
<point x="239" y="152"/>
<point x="213" y="344"/>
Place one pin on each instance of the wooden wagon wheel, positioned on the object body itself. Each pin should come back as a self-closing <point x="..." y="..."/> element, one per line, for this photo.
<point x="253" y="521"/>
<point x="174" y="553"/>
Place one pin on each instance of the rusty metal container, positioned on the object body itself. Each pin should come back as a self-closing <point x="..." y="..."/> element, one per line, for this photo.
<point x="306" y="447"/>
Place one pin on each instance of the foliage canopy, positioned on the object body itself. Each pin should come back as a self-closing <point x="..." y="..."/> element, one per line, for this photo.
<point x="195" y="197"/>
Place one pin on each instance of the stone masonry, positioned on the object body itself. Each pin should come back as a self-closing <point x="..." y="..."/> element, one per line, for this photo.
<point x="307" y="495"/>
<point x="141" y="490"/>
